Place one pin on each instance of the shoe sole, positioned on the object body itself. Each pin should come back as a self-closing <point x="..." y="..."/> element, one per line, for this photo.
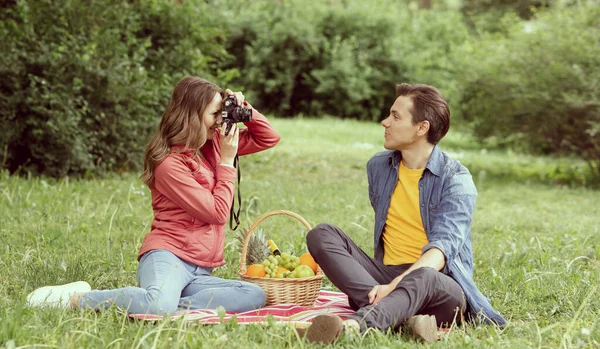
<point x="56" y="296"/>
<point x="424" y="327"/>
<point x="325" y="329"/>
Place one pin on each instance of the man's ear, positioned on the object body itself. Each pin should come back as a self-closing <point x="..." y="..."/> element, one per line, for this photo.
<point x="423" y="128"/>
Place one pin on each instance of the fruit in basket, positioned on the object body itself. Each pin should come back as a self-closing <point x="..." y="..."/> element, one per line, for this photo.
<point x="303" y="271"/>
<point x="271" y="264"/>
<point x="281" y="270"/>
<point x="284" y="275"/>
<point x="308" y="260"/>
<point x="288" y="261"/>
<point x="257" y="249"/>
<point x="286" y="265"/>
<point x="256" y="270"/>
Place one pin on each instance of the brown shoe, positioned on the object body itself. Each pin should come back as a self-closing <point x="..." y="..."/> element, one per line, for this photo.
<point x="423" y="327"/>
<point x="301" y="332"/>
<point x="325" y="329"/>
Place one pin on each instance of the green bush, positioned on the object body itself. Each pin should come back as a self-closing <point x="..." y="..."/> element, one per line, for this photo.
<point x="434" y="37"/>
<point x="538" y="86"/>
<point x="185" y="39"/>
<point x="73" y="76"/>
<point x="274" y="47"/>
<point x="363" y="64"/>
<point x="85" y="82"/>
<point x="486" y="15"/>
<point x="494" y="9"/>
<point x="338" y="58"/>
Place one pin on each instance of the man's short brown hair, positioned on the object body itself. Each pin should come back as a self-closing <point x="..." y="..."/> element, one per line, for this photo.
<point x="428" y="104"/>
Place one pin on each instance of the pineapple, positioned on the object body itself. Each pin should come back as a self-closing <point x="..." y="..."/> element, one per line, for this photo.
<point x="258" y="250"/>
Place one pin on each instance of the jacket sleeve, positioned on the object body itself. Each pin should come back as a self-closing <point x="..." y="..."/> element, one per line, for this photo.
<point x="452" y="220"/>
<point x="258" y="136"/>
<point x="174" y="180"/>
<point x="370" y="179"/>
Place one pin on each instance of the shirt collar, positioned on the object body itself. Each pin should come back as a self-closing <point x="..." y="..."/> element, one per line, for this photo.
<point x="394" y="158"/>
<point x="436" y="161"/>
<point x="434" y="164"/>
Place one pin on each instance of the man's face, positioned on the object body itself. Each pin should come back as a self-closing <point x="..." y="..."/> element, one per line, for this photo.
<point x="400" y="133"/>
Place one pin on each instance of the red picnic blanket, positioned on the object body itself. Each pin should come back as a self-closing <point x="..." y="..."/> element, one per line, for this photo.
<point x="283" y="314"/>
<point x="290" y="314"/>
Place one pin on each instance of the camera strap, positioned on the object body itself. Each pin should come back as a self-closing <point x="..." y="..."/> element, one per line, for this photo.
<point x="232" y="214"/>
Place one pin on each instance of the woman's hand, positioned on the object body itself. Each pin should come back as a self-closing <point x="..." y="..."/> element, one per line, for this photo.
<point x="239" y="97"/>
<point x="229" y="144"/>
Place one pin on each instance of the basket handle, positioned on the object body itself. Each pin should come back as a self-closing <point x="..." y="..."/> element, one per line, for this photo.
<point x="256" y="223"/>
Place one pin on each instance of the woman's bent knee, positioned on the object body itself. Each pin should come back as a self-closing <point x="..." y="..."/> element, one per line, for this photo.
<point x="156" y="303"/>
<point x="253" y="297"/>
<point x="258" y="297"/>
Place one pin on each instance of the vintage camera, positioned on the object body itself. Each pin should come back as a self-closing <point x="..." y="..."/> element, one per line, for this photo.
<point x="233" y="113"/>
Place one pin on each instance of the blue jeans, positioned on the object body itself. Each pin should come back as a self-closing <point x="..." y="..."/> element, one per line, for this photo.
<point x="168" y="283"/>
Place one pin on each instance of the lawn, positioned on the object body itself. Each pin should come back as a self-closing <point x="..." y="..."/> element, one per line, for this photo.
<point x="536" y="243"/>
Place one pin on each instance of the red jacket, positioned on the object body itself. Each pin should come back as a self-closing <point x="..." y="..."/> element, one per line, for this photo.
<point x="192" y="197"/>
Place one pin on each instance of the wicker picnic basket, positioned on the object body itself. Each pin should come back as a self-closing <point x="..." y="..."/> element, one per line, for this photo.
<point x="302" y="291"/>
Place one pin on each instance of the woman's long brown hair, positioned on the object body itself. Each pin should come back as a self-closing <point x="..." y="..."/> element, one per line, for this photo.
<point x="182" y="122"/>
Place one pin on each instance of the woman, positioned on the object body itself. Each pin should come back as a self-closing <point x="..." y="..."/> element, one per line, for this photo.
<point x="189" y="169"/>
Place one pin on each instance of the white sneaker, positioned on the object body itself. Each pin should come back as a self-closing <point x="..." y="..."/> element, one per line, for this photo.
<point x="56" y="296"/>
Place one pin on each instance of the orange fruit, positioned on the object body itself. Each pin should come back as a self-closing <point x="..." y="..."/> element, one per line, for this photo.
<point x="257" y="270"/>
<point x="280" y="270"/>
<point x="308" y="260"/>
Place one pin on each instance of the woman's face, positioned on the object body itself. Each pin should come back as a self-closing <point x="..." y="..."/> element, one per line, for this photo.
<point x="212" y="115"/>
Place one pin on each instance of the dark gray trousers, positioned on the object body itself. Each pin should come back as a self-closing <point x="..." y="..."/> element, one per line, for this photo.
<point x="423" y="291"/>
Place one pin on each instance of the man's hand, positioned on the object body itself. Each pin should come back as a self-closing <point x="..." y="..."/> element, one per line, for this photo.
<point x="378" y="292"/>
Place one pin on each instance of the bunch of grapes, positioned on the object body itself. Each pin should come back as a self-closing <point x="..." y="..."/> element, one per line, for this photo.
<point x="271" y="265"/>
<point x="288" y="261"/>
<point x="284" y="260"/>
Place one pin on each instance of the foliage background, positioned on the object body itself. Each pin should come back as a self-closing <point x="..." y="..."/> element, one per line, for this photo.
<point x="85" y="82"/>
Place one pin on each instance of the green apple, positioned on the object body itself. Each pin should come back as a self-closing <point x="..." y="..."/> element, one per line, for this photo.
<point x="303" y="271"/>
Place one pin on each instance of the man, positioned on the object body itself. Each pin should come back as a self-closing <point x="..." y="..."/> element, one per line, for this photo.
<point x="422" y="273"/>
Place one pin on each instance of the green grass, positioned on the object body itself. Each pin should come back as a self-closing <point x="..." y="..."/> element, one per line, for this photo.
<point x="536" y="243"/>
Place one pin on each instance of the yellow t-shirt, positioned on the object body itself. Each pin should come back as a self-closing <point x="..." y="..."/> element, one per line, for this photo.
<point x="403" y="235"/>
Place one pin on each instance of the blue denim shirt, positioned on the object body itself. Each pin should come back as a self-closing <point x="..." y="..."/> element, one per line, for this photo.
<point x="447" y="197"/>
